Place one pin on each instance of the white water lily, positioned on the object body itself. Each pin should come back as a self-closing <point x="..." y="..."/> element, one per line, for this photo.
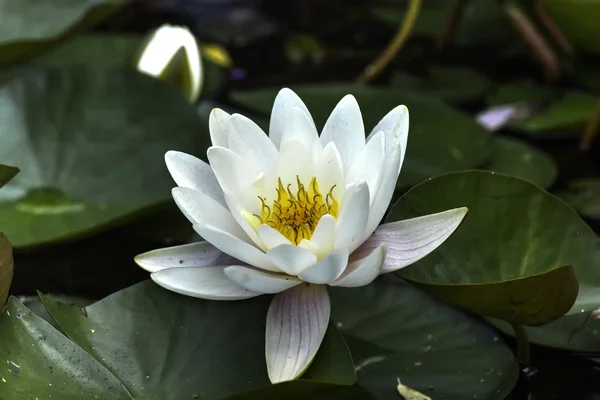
<point x="289" y="214"/>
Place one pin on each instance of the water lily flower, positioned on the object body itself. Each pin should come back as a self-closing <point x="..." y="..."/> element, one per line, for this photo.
<point x="290" y="214"/>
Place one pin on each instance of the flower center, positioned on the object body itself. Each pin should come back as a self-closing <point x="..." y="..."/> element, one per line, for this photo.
<point x="296" y="216"/>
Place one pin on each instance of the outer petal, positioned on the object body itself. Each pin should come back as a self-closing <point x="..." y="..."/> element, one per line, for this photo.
<point x="296" y="324"/>
<point x="191" y="172"/>
<point x="364" y="271"/>
<point x="328" y="269"/>
<point x="204" y="282"/>
<point x="260" y="281"/>
<point x="412" y="239"/>
<point x="235" y="247"/>
<point x="345" y="128"/>
<point x="353" y="217"/>
<point x="199" y="208"/>
<point x="395" y="127"/>
<point x="291" y="259"/>
<point x="198" y="254"/>
<point x="300" y="127"/>
<point x="285" y="100"/>
<point x="233" y="173"/>
<point x="367" y="166"/>
<point x="218" y="124"/>
<point x="249" y="141"/>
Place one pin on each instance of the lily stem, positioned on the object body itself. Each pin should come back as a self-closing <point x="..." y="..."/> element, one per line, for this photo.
<point x="523" y="353"/>
<point x="452" y="23"/>
<point x="392" y="49"/>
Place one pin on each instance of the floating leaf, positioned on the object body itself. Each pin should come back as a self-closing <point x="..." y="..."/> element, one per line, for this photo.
<point x="129" y="332"/>
<point x="514" y="232"/>
<point x="27" y="26"/>
<point x="517" y="158"/>
<point x="43" y="363"/>
<point x="584" y="196"/>
<point x="451" y="141"/>
<point x="91" y="145"/>
<point x="520" y="92"/>
<point x="396" y="331"/>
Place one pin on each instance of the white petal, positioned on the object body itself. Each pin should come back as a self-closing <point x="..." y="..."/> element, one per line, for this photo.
<point x="294" y="162"/>
<point x="300" y="127"/>
<point x="296" y="324"/>
<point x="233" y="173"/>
<point x="260" y="281"/>
<point x="330" y="172"/>
<point x="199" y="208"/>
<point x="368" y="164"/>
<point x="321" y="241"/>
<point x="345" y="128"/>
<point x="191" y="172"/>
<point x="291" y="259"/>
<point x="235" y="247"/>
<point x="198" y="254"/>
<point x="364" y="271"/>
<point x="412" y="239"/>
<point x="285" y="100"/>
<point x="328" y="269"/>
<point x="353" y="217"/>
<point x="249" y="141"/>
<point x="271" y="237"/>
<point x="218" y="124"/>
<point x="385" y="190"/>
<point x="395" y="127"/>
<point x="204" y="282"/>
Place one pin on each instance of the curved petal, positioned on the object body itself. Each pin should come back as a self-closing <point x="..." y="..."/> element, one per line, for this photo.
<point x="233" y="173"/>
<point x="218" y="125"/>
<point x="328" y="269"/>
<point x="204" y="282"/>
<point x="271" y="237"/>
<point x="235" y="247"/>
<point x="198" y="254"/>
<point x="302" y="128"/>
<point x="345" y="128"/>
<point x="412" y="239"/>
<point x="364" y="271"/>
<point x="291" y="259"/>
<point x="199" y="208"/>
<point x="395" y="127"/>
<point x="330" y="172"/>
<point x="353" y="217"/>
<point x="321" y="241"/>
<point x="367" y="166"/>
<point x="285" y="100"/>
<point x="249" y="141"/>
<point x="191" y="172"/>
<point x="260" y="281"/>
<point x="296" y="324"/>
<point x="294" y="162"/>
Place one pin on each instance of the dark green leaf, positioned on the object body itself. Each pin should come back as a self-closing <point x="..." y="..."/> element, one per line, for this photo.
<point x="519" y="92"/>
<point x="395" y="331"/>
<point x="584" y="196"/>
<point x="27" y="26"/>
<point x="91" y="144"/>
<point x="42" y="363"/>
<point x="6" y="268"/>
<point x="7" y="173"/>
<point x="215" y="349"/>
<point x="517" y="158"/>
<point x="451" y="141"/>
<point x="513" y="230"/>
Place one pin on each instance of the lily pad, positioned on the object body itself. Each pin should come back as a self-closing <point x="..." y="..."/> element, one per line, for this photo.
<point x="396" y="331"/>
<point x="41" y="362"/>
<point x="27" y="26"/>
<point x="454" y="84"/>
<point x="7" y="173"/>
<point x="518" y="92"/>
<point x="6" y="268"/>
<point x="584" y="196"/>
<point x="91" y="144"/>
<point x="514" y="232"/>
<point x="517" y="158"/>
<point x="449" y="142"/>
<point x="215" y="349"/>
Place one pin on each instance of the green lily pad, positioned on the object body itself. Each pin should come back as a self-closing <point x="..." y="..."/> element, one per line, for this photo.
<point x="215" y="349"/>
<point x="6" y="268"/>
<point x="572" y="111"/>
<point x="7" y="173"/>
<point x="35" y="305"/>
<point x="28" y="26"/>
<point x="454" y="84"/>
<point x="584" y="196"/>
<point x="449" y="142"/>
<point x="514" y="232"/>
<point x="396" y="331"/>
<point x="578" y="20"/>
<point x="91" y="144"/>
<point x="517" y="158"/>
<point x="520" y="92"/>
<point x="43" y="363"/>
